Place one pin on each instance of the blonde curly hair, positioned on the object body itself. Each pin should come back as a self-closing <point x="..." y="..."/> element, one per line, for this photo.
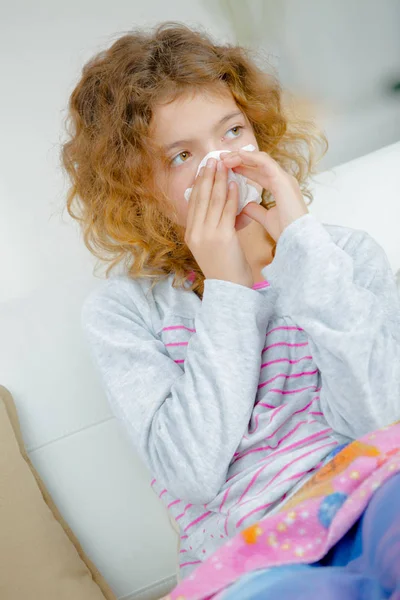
<point x="109" y="154"/>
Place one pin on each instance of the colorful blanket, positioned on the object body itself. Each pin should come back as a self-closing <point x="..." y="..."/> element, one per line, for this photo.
<point x="310" y="524"/>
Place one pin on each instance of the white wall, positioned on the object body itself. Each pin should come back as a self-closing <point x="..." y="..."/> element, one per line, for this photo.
<point x="43" y="46"/>
<point x="339" y="56"/>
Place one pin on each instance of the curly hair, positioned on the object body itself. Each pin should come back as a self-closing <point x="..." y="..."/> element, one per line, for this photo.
<point x="109" y="154"/>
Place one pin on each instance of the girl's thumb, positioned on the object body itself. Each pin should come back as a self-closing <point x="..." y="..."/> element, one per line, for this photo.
<point x="256" y="212"/>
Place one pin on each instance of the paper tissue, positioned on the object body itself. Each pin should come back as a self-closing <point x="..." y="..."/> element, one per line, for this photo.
<point x="247" y="192"/>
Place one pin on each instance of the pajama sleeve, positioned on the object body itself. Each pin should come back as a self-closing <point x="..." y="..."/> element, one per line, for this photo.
<point x="345" y="298"/>
<point x="186" y="425"/>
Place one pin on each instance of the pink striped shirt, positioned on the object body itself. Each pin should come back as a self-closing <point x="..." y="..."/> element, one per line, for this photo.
<point x="285" y="440"/>
<point x="233" y="401"/>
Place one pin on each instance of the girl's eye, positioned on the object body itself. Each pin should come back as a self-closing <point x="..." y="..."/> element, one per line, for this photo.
<point x="177" y="156"/>
<point x="185" y="153"/>
<point x="236" y="127"/>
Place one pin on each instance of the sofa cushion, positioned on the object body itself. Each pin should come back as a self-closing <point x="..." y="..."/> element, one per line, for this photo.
<point x="40" y="555"/>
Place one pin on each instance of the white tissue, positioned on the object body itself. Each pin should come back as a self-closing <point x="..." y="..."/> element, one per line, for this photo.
<point x="247" y="192"/>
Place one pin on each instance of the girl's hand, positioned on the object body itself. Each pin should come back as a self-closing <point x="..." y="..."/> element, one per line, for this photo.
<point x="210" y="227"/>
<point x="261" y="168"/>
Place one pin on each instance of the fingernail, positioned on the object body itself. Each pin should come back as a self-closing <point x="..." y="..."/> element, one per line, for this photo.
<point x="211" y="163"/>
<point x="220" y="165"/>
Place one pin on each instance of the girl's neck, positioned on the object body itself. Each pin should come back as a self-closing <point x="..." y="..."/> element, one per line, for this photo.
<point x="257" y="247"/>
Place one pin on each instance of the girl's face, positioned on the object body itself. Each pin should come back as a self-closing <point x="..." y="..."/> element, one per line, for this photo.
<point x="190" y="127"/>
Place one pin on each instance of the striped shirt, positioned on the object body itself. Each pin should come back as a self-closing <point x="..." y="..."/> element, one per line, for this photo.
<point x="235" y="400"/>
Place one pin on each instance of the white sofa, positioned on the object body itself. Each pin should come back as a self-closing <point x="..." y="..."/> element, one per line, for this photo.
<point x="81" y="452"/>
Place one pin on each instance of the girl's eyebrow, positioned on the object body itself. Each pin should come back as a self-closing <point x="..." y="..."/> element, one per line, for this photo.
<point x="182" y="142"/>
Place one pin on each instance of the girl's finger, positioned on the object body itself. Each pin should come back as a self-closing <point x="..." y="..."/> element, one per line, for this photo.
<point x="192" y="204"/>
<point x="228" y="217"/>
<point x="205" y="186"/>
<point x="261" y="177"/>
<point x="218" y="196"/>
<point x="242" y="220"/>
<point x="258" y="160"/>
<point x="255" y="174"/>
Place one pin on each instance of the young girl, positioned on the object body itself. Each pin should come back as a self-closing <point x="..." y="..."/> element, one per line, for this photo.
<point x="238" y="350"/>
